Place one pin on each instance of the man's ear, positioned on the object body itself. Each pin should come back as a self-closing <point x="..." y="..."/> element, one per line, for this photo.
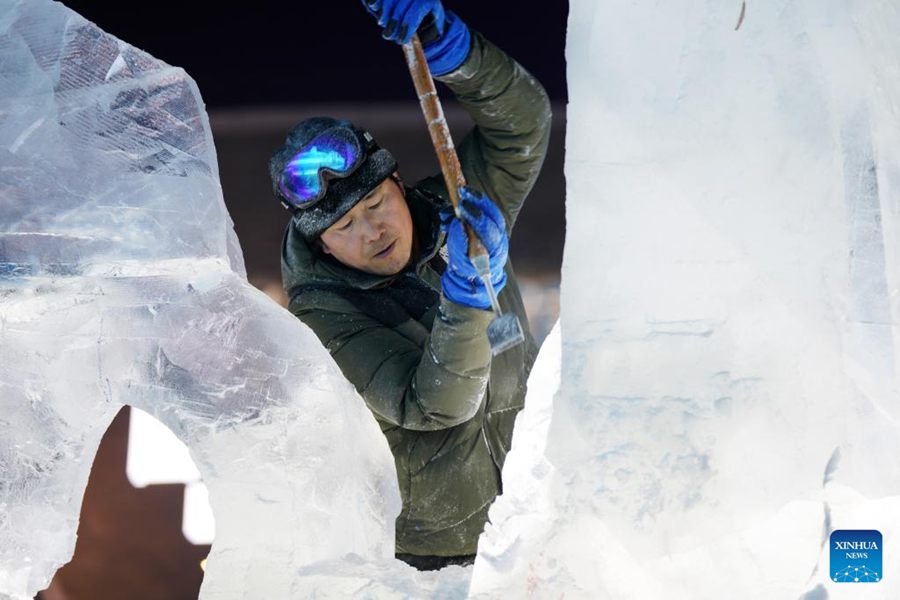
<point x="396" y="177"/>
<point x="323" y="246"/>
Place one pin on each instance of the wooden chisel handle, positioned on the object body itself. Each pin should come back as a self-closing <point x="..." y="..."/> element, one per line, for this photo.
<point x="440" y="133"/>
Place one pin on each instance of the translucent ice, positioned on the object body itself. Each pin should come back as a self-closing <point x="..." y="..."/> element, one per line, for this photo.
<point x="122" y="282"/>
<point x="729" y="308"/>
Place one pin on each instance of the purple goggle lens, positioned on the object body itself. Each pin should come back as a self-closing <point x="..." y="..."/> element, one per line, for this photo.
<point x="335" y="152"/>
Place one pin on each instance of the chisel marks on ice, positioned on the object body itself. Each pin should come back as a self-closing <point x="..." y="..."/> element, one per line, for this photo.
<point x="699" y="327"/>
<point x="870" y="326"/>
<point x="741" y="17"/>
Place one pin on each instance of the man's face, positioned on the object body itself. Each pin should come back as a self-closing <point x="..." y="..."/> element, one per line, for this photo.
<point x="375" y="236"/>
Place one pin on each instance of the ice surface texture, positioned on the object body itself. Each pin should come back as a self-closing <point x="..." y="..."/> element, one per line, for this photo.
<point x="729" y="308"/>
<point x="122" y="282"/>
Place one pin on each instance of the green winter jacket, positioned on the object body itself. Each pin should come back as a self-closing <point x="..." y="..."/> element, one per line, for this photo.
<point x="421" y="362"/>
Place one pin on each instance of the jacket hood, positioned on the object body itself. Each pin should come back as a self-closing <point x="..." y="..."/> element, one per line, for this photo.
<point x="303" y="265"/>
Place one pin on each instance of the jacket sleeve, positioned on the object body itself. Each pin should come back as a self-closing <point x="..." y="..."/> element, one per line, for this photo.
<point x="502" y="155"/>
<point x="437" y="388"/>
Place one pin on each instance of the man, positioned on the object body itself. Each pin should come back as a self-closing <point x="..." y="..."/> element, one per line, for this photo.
<point x="380" y="272"/>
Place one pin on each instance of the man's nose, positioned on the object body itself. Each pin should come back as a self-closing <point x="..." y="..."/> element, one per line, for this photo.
<point x="371" y="230"/>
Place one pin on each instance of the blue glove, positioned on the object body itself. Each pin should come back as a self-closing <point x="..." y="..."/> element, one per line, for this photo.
<point x="460" y="282"/>
<point x="445" y="38"/>
<point x="450" y="49"/>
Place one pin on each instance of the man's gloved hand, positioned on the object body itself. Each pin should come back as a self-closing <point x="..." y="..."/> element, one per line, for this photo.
<point x="460" y="281"/>
<point x="445" y="38"/>
<point x="401" y="18"/>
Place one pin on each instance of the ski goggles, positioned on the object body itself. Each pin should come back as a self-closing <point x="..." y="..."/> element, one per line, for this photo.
<point x="335" y="153"/>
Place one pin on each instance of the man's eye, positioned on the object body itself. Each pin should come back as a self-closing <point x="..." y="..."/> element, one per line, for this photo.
<point x="345" y="226"/>
<point x="377" y="204"/>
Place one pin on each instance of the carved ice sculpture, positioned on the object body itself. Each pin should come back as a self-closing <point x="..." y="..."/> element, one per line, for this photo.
<point x="122" y="282"/>
<point x="730" y="309"/>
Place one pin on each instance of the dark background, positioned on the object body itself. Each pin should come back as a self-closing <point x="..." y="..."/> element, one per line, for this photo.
<point x="261" y="67"/>
<point x="276" y="52"/>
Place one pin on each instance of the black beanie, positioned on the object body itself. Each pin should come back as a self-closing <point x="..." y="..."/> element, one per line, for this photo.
<point x="342" y="194"/>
